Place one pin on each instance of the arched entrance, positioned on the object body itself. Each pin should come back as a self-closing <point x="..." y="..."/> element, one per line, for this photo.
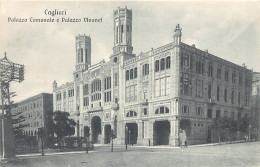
<point x="132" y="133"/>
<point x="86" y="131"/>
<point x="161" y="132"/>
<point x="96" y="129"/>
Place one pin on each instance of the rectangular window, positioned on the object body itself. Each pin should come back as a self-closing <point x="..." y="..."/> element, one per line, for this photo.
<point x="232" y="96"/>
<point x="240" y="80"/>
<point x="185" y="84"/>
<point x="199" y="88"/>
<point x="210" y="71"/>
<point x="226" y="76"/>
<point x="209" y="91"/>
<point x="225" y="96"/>
<point x="116" y="79"/>
<point x="209" y="113"/>
<point x="239" y="95"/>
<point x="219" y="73"/>
<point x="218" y="91"/>
<point x="233" y="78"/>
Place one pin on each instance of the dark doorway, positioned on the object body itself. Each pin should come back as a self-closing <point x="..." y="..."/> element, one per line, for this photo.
<point x="161" y="132"/>
<point x="209" y="135"/>
<point x="86" y="131"/>
<point x="107" y="134"/>
<point x="132" y="133"/>
<point x="96" y="129"/>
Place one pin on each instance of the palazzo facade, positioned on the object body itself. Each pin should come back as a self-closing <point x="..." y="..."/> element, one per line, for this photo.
<point x="147" y="98"/>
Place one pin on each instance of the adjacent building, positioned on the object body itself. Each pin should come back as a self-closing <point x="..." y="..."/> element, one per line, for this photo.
<point x="256" y="99"/>
<point x="37" y="111"/>
<point x="147" y="98"/>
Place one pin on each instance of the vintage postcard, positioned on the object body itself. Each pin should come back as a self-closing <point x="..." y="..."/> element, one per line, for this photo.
<point x="130" y="83"/>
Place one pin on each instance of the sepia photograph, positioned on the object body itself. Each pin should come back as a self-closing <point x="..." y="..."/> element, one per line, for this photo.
<point x="129" y="83"/>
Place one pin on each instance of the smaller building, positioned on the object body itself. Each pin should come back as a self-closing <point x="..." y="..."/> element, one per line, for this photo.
<point x="37" y="112"/>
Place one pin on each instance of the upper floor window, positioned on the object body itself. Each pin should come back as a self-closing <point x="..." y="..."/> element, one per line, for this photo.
<point x="96" y="85"/>
<point x="131" y="114"/>
<point x="219" y="73"/>
<point x="157" y="65"/>
<point x="58" y="96"/>
<point x="185" y="84"/>
<point x="145" y="69"/>
<point x="225" y="95"/>
<point x="71" y="92"/>
<point x="185" y="109"/>
<point x="131" y="74"/>
<point x="64" y="95"/>
<point x="233" y="78"/>
<point x="209" y="113"/>
<point x="199" y="67"/>
<point x="162" y="110"/>
<point x="135" y="72"/>
<point x="218" y="114"/>
<point x="199" y="111"/>
<point x="107" y="83"/>
<point x="240" y="80"/>
<point x="162" y="64"/>
<point x="210" y="70"/>
<point x="168" y="62"/>
<point x="127" y="75"/>
<point x="85" y="89"/>
<point x="226" y="76"/>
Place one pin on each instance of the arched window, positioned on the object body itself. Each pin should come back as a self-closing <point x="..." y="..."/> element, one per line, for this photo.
<point x="156" y="65"/>
<point x="168" y="62"/>
<point x="131" y="114"/>
<point x="135" y="72"/>
<point x="127" y="75"/>
<point x="131" y="74"/>
<point x="81" y="55"/>
<point x="162" y="110"/>
<point x="162" y="64"/>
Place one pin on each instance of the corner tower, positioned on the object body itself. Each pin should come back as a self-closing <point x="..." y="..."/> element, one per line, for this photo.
<point x="83" y="52"/>
<point x="122" y="31"/>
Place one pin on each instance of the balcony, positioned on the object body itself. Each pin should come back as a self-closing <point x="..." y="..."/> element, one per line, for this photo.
<point x="95" y="109"/>
<point x="211" y="102"/>
<point x="144" y="102"/>
<point x="115" y="106"/>
<point x="240" y="107"/>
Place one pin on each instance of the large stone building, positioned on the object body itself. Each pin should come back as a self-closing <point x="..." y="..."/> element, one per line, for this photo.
<point x="147" y="98"/>
<point x="256" y="99"/>
<point x="37" y="111"/>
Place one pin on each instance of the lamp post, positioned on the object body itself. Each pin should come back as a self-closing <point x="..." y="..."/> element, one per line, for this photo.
<point x="126" y="136"/>
<point x="9" y="72"/>
<point x="249" y="137"/>
<point x="112" y="137"/>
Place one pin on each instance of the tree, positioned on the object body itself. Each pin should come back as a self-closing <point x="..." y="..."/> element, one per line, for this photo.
<point x="62" y="125"/>
<point x="225" y="127"/>
<point x="17" y="120"/>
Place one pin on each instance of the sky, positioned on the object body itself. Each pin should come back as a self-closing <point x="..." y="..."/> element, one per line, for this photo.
<point x="230" y="30"/>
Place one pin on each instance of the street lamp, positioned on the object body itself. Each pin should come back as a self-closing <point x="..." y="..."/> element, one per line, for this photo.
<point x="249" y="137"/>
<point x="126" y="136"/>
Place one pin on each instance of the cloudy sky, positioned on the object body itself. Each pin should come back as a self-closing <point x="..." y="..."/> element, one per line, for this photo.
<point x="230" y="30"/>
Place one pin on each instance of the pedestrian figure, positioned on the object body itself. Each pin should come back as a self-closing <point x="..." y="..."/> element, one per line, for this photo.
<point x="186" y="145"/>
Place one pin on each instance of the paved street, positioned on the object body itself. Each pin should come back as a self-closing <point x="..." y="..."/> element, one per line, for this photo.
<point x="241" y="154"/>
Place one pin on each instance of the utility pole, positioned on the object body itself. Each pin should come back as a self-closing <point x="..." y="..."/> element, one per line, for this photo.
<point x="9" y="72"/>
<point x="112" y="137"/>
